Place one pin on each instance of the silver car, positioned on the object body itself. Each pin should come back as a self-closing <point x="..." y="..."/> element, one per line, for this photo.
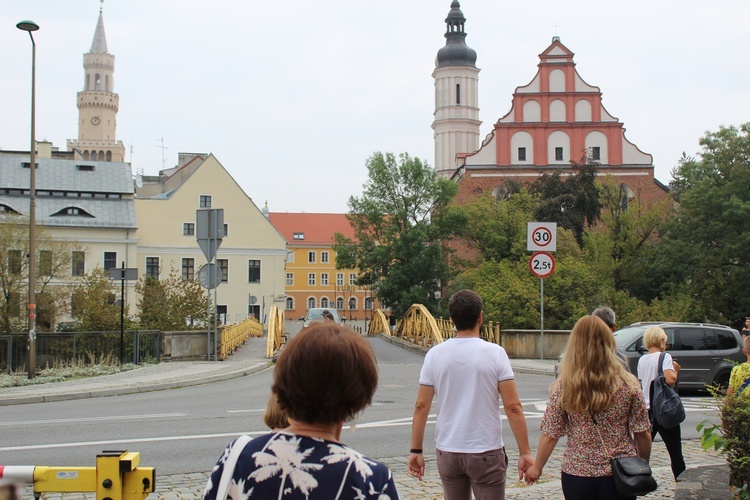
<point x="706" y="352"/>
<point x="316" y="314"/>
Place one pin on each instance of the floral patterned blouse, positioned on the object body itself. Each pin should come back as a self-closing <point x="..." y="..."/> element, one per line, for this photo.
<point x="283" y="465"/>
<point x="585" y="455"/>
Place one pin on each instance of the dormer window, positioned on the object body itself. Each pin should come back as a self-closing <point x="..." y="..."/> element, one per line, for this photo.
<point x="72" y="212"/>
<point x="7" y="210"/>
<point x="299" y="236"/>
<point x="85" y="168"/>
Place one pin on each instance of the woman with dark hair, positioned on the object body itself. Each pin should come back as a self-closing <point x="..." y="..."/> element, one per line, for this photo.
<point x="324" y="376"/>
<point x="599" y="406"/>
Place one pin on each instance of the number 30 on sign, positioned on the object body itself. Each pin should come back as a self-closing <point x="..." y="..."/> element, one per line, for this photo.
<point x="542" y="264"/>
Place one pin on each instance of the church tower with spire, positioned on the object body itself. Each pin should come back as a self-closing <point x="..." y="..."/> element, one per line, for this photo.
<point x="98" y="105"/>
<point x="456" y="76"/>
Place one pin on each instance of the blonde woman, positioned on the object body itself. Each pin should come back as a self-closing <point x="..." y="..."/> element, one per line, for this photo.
<point x="655" y="340"/>
<point x="600" y="407"/>
<point x="274" y="417"/>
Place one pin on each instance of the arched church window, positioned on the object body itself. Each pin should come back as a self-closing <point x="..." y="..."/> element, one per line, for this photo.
<point x="97" y="82"/>
<point x="109" y="155"/>
<point x="106" y="83"/>
<point x="86" y="154"/>
<point x="501" y="193"/>
<point x="626" y="195"/>
<point x="93" y="155"/>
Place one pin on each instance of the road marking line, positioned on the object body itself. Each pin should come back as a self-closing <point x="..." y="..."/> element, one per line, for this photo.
<point x="94" y="419"/>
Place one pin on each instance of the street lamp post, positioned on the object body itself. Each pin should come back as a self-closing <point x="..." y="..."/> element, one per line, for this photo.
<point x="31" y="26"/>
<point x="344" y="289"/>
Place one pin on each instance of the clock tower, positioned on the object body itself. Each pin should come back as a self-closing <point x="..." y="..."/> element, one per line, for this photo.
<point x="98" y="105"/>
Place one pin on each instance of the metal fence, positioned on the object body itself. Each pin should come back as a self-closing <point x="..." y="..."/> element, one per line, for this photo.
<point x="87" y="347"/>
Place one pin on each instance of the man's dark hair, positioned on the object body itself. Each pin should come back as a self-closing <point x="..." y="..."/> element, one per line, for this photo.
<point x="464" y="308"/>
<point x="606" y="314"/>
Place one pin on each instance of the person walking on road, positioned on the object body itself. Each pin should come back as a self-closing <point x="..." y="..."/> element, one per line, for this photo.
<point x="599" y="406"/>
<point x="655" y="340"/>
<point x="467" y="374"/>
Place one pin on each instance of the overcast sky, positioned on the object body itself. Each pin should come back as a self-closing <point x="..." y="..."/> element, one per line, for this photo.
<point x="293" y="96"/>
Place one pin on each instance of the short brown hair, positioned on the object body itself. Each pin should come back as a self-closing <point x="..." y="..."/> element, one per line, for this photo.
<point x="326" y="374"/>
<point x="464" y="308"/>
<point x="274" y="417"/>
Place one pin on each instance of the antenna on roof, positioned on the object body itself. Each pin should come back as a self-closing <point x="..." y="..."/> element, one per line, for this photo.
<point x="163" y="148"/>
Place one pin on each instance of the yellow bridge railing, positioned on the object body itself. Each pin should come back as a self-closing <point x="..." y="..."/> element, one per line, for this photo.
<point x="276" y="333"/>
<point x="233" y="336"/>
<point x="419" y="327"/>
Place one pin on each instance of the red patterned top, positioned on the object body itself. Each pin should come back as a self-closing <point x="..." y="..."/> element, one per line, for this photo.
<point x="584" y="455"/>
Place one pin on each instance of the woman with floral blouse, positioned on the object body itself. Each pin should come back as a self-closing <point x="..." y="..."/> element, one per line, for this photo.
<point x="600" y="407"/>
<point x="324" y="376"/>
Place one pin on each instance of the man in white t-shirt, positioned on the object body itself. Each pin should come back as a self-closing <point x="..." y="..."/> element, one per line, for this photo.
<point x="467" y="374"/>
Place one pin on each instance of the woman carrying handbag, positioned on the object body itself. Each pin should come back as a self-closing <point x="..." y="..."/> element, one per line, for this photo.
<point x="594" y="391"/>
<point x="655" y="340"/>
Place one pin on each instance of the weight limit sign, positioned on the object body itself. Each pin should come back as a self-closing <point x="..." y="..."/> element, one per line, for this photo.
<point x="542" y="264"/>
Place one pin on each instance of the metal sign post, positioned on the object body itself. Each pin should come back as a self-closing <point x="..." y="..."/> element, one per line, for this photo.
<point x="123" y="274"/>
<point x="209" y="231"/>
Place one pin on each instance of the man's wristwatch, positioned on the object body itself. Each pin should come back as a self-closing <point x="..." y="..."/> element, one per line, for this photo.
<point x="418" y="451"/>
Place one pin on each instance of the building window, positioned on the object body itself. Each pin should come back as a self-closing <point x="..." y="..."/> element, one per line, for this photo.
<point x="226" y="229"/>
<point x="339" y="279"/>
<point x="299" y="236"/>
<point x="253" y="271"/>
<point x="352" y="279"/>
<point x="290" y="257"/>
<point x="311" y="279"/>
<point x="558" y="154"/>
<point x="14" y="304"/>
<point x="324" y="302"/>
<point x="14" y="261"/>
<point x="152" y="267"/>
<point x="110" y="260"/>
<point x="369" y="303"/>
<point x="311" y="303"/>
<point x="340" y="303"/>
<point x="78" y="264"/>
<point x="224" y="266"/>
<point x="188" y="228"/>
<point x="289" y="303"/>
<point x="458" y="94"/>
<point x="289" y="279"/>
<point x="205" y="201"/>
<point x="311" y="257"/>
<point x="45" y="263"/>
<point x="352" y="303"/>
<point x="323" y="279"/>
<point x="324" y="257"/>
<point x="596" y="153"/>
<point x="521" y="154"/>
<point x="188" y="269"/>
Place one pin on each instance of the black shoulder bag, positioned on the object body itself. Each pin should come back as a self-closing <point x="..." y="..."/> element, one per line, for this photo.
<point x="632" y="475"/>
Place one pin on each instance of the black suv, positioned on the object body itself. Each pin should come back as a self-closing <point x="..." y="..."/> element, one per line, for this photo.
<point x="704" y="351"/>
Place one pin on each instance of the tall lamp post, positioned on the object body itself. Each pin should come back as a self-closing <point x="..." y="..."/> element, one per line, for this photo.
<point x="31" y="26"/>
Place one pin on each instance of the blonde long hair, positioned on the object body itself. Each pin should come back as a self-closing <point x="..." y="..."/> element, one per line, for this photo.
<point x="590" y="371"/>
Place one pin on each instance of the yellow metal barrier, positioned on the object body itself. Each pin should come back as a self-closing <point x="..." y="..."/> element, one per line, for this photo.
<point x="233" y="336"/>
<point x="490" y="331"/>
<point x="115" y="477"/>
<point x="379" y="324"/>
<point x="419" y="327"/>
<point x="276" y="333"/>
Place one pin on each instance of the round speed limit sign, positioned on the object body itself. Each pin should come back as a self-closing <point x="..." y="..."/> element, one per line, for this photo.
<point x="542" y="236"/>
<point x="542" y="264"/>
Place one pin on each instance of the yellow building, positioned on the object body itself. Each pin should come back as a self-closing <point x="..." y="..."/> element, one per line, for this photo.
<point x="312" y="279"/>
<point x="251" y="254"/>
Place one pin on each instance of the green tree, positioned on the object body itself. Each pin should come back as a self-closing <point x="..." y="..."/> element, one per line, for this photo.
<point x="574" y="204"/>
<point x="94" y="303"/>
<point x="171" y="303"/>
<point x="704" y="251"/>
<point x="53" y="274"/>
<point x="400" y="223"/>
<point x="497" y="228"/>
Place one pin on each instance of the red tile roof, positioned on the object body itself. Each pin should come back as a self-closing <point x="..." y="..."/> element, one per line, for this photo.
<point x="317" y="228"/>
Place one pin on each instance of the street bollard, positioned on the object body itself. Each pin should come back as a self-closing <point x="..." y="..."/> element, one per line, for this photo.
<point x="115" y="477"/>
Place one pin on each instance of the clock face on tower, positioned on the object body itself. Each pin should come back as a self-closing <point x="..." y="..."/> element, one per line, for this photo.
<point x="95" y="120"/>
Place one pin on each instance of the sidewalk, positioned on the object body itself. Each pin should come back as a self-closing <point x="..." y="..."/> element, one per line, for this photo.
<point x="706" y="477"/>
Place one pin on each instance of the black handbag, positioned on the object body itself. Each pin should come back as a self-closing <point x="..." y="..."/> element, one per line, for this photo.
<point x="632" y="475"/>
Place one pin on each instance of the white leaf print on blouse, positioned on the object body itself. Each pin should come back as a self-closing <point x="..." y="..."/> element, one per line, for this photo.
<point x="341" y="454"/>
<point x="286" y="459"/>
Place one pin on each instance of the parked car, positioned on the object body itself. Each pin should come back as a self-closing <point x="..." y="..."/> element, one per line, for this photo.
<point x="316" y="314"/>
<point x="706" y="352"/>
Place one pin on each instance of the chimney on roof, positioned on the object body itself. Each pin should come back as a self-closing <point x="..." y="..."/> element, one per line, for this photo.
<point x="44" y="149"/>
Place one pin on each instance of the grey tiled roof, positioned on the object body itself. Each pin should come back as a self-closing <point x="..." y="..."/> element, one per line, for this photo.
<point x="60" y="174"/>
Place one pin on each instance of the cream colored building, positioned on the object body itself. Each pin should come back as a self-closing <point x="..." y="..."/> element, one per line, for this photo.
<point x="252" y="253"/>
